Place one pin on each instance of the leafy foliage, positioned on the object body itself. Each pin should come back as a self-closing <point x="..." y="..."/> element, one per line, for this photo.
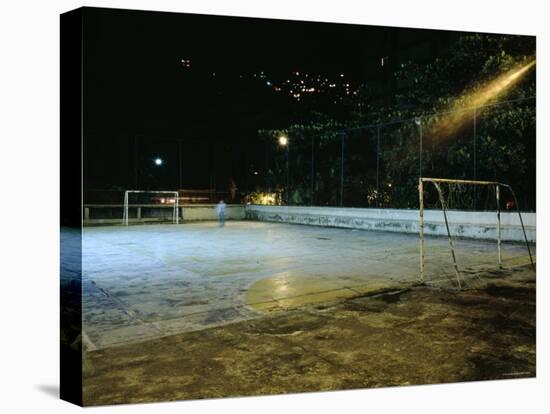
<point x="503" y="148"/>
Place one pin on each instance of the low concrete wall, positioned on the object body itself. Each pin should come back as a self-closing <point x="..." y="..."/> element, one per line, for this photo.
<point x="195" y="212"/>
<point x="98" y="214"/>
<point x="476" y="225"/>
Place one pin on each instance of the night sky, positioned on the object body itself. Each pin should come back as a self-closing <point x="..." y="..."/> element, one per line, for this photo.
<point x="211" y="81"/>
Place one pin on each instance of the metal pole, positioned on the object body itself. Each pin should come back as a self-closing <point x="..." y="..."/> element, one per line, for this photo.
<point x="499" y="241"/>
<point x="127" y="207"/>
<point x="135" y="162"/>
<point x="378" y="166"/>
<point x="522" y="226"/>
<point x="288" y="174"/>
<point x="180" y="165"/>
<point x="176" y="210"/>
<point x="444" y="206"/>
<point x="125" y="210"/>
<point x="449" y="180"/>
<point x="475" y="156"/>
<point x="312" y="168"/>
<point x="475" y="143"/>
<point x="420" y="154"/>
<point x="421" y="210"/>
<point x="266" y="165"/>
<point x="342" y="174"/>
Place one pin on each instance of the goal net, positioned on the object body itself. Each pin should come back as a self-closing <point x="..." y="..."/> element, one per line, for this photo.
<point x="144" y="205"/>
<point x="482" y="199"/>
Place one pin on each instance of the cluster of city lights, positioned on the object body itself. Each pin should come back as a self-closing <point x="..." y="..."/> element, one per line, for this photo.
<point x="300" y="85"/>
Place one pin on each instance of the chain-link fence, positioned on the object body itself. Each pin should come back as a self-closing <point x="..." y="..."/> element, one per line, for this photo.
<point x="375" y="165"/>
<point x="378" y="165"/>
<point x="201" y="171"/>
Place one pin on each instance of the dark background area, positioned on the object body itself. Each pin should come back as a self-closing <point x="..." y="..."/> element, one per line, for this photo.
<point x="209" y="95"/>
<point x="140" y="101"/>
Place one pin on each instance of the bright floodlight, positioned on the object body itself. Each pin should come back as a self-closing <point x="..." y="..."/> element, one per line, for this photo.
<point x="158" y="161"/>
<point x="283" y="141"/>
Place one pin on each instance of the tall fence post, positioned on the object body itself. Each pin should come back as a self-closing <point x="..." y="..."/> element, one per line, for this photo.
<point x="312" y="200"/>
<point x="180" y="165"/>
<point x="475" y="156"/>
<point x="342" y="174"/>
<point x="499" y="242"/>
<point x="378" y="166"/>
<point x="266" y="169"/>
<point x="418" y="121"/>
<point x="288" y="173"/>
<point x="475" y="144"/>
<point x="136" y="162"/>
<point x="125" y="209"/>
<point x="421" y="210"/>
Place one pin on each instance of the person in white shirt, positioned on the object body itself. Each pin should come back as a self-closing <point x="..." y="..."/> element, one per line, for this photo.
<point x="220" y="209"/>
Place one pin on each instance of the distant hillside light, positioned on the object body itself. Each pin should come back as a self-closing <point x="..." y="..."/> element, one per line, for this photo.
<point x="283" y="140"/>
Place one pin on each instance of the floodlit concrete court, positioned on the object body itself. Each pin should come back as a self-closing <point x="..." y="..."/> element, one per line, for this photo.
<point x="148" y="281"/>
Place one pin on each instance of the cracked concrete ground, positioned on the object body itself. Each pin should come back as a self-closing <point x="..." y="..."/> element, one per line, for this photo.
<point x="143" y="282"/>
<point x="417" y="335"/>
<point x="196" y="311"/>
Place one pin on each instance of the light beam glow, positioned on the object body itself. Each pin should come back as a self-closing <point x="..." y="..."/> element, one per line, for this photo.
<point x="460" y="112"/>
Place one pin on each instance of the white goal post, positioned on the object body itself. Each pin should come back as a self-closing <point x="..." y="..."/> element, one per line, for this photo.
<point x="175" y="208"/>
<point x="437" y="182"/>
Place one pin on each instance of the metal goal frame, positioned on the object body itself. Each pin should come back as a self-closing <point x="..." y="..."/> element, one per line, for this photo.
<point x="175" y="194"/>
<point x="437" y="184"/>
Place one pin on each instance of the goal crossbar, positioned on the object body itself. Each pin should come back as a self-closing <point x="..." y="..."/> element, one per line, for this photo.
<point x="436" y="182"/>
<point x="173" y="193"/>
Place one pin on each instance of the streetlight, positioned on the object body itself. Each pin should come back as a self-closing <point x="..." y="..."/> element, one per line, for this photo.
<point x="158" y="161"/>
<point x="283" y="142"/>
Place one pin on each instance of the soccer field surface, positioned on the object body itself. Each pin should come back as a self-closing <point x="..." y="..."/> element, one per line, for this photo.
<point x="148" y="281"/>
